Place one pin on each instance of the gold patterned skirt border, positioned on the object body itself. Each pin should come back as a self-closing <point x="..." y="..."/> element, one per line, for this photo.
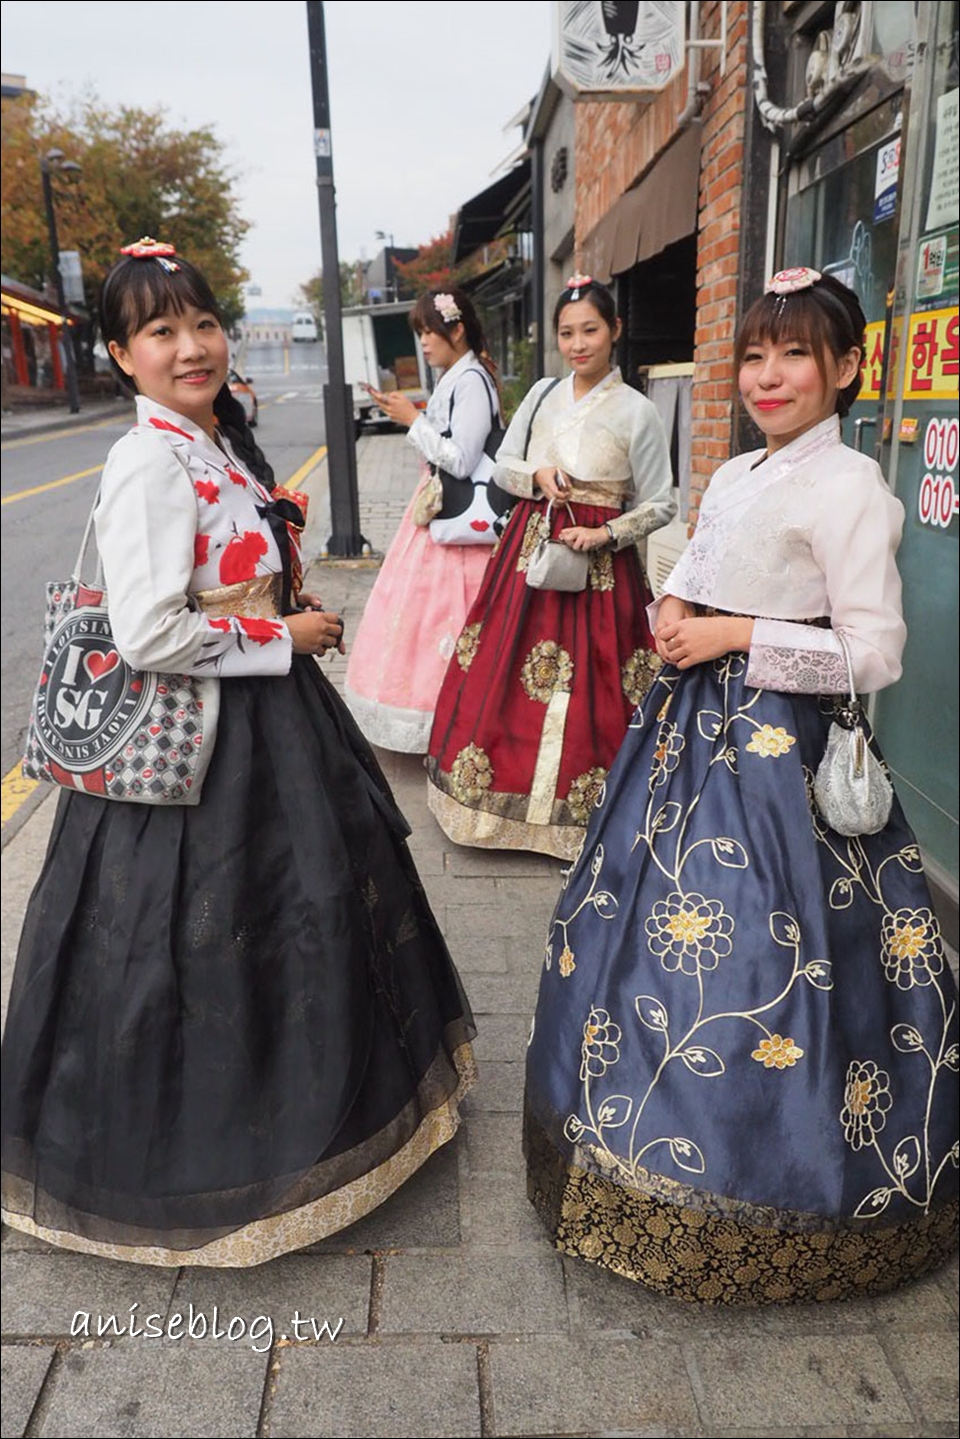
<point x="265" y="1239"/>
<point x="709" y="1258"/>
<point x="486" y="830"/>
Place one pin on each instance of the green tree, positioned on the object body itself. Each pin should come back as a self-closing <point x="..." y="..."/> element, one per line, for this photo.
<point x="139" y="176"/>
<point x="351" y="288"/>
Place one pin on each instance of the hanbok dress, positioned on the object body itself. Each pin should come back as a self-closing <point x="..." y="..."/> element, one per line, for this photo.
<point x="538" y="697"/>
<point x="423" y="592"/>
<point x="234" y="1026"/>
<point x="741" y="1079"/>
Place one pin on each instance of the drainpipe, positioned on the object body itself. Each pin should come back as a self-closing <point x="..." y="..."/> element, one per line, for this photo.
<point x="697" y="89"/>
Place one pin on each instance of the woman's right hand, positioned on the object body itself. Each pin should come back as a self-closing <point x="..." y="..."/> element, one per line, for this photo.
<point x="670" y="613"/>
<point x="552" y="483"/>
<point x="315" y="631"/>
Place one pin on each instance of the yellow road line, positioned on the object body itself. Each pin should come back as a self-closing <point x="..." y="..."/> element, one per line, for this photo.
<point x="16" y="788"/>
<point x="66" y="432"/>
<point x="305" y="469"/>
<point x="50" y="485"/>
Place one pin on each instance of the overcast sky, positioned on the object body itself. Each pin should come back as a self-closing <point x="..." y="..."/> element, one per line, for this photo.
<point x="419" y="94"/>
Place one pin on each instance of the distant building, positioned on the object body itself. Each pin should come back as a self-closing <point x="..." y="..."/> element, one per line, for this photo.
<point x="266" y="327"/>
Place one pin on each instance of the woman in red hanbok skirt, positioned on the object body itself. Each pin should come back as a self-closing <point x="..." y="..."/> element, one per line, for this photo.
<point x="543" y="683"/>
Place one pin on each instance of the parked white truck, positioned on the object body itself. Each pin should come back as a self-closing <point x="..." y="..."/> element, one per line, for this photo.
<point x="380" y="349"/>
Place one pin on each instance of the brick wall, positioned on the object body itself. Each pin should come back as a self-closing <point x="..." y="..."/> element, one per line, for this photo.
<point x="617" y="143"/>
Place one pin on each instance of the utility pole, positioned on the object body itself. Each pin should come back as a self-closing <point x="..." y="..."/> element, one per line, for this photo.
<point x="53" y="160"/>
<point x="345" y="539"/>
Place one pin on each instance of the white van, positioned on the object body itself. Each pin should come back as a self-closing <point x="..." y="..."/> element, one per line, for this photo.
<point x="304" y="327"/>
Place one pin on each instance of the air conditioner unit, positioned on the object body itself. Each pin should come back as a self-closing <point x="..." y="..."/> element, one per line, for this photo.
<point x="664" y="548"/>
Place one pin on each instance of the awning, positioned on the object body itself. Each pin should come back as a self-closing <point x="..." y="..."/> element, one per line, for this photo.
<point x="481" y="219"/>
<point x="33" y="306"/>
<point x="659" y="211"/>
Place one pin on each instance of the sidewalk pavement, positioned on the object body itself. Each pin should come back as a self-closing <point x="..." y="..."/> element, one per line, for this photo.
<point x="458" y="1317"/>
<point x="46" y="418"/>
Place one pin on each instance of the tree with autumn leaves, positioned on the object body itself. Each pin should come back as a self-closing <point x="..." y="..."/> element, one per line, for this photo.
<point x="139" y="176"/>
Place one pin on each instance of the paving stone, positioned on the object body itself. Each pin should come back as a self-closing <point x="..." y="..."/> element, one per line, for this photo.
<point x="495" y="1212"/>
<point x="503" y="1036"/>
<point x="926" y="1365"/>
<point x="389" y="1389"/>
<point x="332" y="1287"/>
<point x="537" y="894"/>
<point x="600" y="1300"/>
<point x="491" y="1144"/>
<point x="448" y="889"/>
<point x="573" y="1387"/>
<point x="500" y="1089"/>
<point x="43" y="1292"/>
<point x="198" y="1389"/>
<point x="505" y="993"/>
<point x="24" y="1367"/>
<point x="462" y="860"/>
<point x="821" y="1380"/>
<point x="948" y="1279"/>
<point x="424" y="1213"/>
<point x="462" y="1294"/>
<point x="15" y="1239"/>
<point x="477" y="956"/>
<point x="490" y="921"/>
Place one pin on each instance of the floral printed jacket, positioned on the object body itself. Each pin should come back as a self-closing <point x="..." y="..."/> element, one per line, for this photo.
<point x="178" y="515"/>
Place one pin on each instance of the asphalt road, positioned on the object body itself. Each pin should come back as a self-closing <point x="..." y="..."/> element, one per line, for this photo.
<point x="48" y="485"/>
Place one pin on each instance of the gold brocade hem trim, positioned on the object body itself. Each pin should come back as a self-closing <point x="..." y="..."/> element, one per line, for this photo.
<point x="483" y="830"/>
<point x="716" y="1259"/>
<point x="256" y="599"/>
<point x="265" y="1239"/>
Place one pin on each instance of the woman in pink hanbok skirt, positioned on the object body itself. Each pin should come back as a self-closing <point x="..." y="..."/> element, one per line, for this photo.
<point x="424" y="590"/>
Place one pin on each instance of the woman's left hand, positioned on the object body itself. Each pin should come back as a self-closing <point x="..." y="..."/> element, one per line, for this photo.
<point x="691" y="641"/>
<point x="584" y="537"/>
<point x="397" y="407"/>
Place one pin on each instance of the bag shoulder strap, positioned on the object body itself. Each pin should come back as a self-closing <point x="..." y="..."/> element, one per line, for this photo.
<point x="540" y="399"/>
<point x="488" y="386"/>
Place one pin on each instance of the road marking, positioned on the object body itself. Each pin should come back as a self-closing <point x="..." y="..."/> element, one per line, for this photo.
<point x="16" y="789"/>
<point x="67" y="431"/>
<point x="51" y="485"/>
<point x="305" y="469"/>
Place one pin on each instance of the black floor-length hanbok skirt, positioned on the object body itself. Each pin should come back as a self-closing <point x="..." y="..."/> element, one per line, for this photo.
<point x="742" y="1077"/>
<point x="234" y="1028"/>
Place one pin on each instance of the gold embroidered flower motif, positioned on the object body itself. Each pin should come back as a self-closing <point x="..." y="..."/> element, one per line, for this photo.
<point x="600" y="570"/>
<point x="470" y="774"/>
<point x="777" y="1053"/>
<point x="666" y="756"/>
<point x="866" y="1099"/>
<point x="770" y="742"/>
<point x="584" y="793"/>
<point x="910" y="947"/>
<point x="637" y="675"/>
<point x="546" y="669"/>
<point x="566" y="963"/>
<point x="601" y="1044"/>
<point x="535" y="531"/>
<point x="468" y="644"/>
<point x="689" y="933"/>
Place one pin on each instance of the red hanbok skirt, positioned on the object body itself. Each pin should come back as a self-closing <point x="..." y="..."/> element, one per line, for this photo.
<point x="537" y="699"/>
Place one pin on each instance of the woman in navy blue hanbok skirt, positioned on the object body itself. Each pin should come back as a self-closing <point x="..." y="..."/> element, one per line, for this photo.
<point x="741" y="1080"/>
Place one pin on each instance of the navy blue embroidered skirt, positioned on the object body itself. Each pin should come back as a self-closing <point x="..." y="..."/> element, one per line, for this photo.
<point x="741" y="1081"/>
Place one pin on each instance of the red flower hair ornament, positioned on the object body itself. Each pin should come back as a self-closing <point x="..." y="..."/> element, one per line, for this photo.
<point x="150" y="249"/>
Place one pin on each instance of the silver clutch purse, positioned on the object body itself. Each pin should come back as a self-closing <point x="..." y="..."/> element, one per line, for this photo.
<point x="554" y="565"/>
<point x="851" y="788"/>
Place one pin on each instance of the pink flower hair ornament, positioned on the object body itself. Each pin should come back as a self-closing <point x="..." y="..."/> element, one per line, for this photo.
<point x="150" y="249"/>
<point x="447" y="308"/>
<point x="576" y="283"/>
<point x="788" y="282"/>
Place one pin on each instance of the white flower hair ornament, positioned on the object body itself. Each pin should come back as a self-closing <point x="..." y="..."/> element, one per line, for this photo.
<point x="447" y="308"/>
<point x="576" y="283"/>
<point x="788" y="282"/>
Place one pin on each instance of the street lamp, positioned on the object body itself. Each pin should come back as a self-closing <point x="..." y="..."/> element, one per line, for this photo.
<point x="54" y="163"/>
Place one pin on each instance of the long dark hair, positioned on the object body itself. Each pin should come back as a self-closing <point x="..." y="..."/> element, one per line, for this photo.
<point x="138" y="290"/>
<point x="426" y="316"/>
<point x="827" y="316"/>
